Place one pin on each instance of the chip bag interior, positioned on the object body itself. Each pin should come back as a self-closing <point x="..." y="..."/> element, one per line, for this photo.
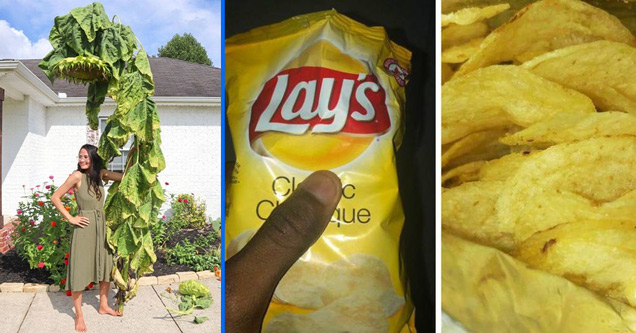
<point x="322" y="91"/>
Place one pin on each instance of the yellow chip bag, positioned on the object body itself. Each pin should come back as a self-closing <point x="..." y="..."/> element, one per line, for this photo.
<point x="321" y="91"/>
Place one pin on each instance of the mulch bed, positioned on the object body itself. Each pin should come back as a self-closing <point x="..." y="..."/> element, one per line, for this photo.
<point x="14" y="269"/>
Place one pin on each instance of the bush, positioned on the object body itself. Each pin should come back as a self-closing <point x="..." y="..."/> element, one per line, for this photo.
<point x="187" y="212"/>
<point x="199" y="255"/>
<point x="41" y="237"/>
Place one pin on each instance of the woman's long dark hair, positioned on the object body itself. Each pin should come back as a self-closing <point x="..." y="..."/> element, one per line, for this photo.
<point x="94" y="172"/>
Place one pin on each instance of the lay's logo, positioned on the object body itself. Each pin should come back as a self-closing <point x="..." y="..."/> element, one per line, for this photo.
<point x="320" y="101"/>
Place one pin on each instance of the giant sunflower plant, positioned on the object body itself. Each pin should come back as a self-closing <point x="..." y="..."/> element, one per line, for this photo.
<point x="88" y="48"/>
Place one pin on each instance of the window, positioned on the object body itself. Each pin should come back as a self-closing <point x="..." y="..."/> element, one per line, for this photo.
<point x="118" y="163"/>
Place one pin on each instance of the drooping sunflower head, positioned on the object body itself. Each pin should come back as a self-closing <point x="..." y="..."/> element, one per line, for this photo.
<point x="82" y="69"/>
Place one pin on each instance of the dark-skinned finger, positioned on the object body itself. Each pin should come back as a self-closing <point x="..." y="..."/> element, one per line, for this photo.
<point x="253" y="273"/>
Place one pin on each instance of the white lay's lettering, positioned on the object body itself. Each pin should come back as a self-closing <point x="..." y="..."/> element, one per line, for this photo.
<point x="339" y="113"/>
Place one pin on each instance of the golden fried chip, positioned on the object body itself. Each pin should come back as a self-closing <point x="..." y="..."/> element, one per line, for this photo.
<point x="489" y="291"/>
<point x="473" y="14"/>
<point x="568" y="182"/>
<point x="455" y="34"/>
<point x="545" y="26"/>
<point x="460" y="53"/>
<point x="477" y="146"/>
<point x="568" y="127"/>
<point x="447" y="73"/>
<point x="461" y="174"/>
<point x="503" y="167"/>
<point x="502" y="96"/>
<point x="603" y="70"/>
<point x="468" y="210"/>
<point x="600" y="255"/>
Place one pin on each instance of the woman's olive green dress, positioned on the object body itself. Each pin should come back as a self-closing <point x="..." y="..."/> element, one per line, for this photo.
<point x="90" y="259"/>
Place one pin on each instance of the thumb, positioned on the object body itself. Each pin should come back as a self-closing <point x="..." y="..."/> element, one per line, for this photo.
<point x="289" y="231"/>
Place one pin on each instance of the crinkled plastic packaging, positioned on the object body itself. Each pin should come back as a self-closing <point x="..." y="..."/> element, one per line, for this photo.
<point x="322" y="91"/>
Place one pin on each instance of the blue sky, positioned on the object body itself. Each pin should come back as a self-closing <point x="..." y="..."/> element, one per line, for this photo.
<point x="25" y="25"/>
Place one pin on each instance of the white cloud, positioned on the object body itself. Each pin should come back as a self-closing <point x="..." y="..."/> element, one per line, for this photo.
<point x="154" y="22"/>
<point x="16" y="45"/>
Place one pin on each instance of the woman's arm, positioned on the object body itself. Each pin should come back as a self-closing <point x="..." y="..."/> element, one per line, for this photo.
<point x="70" y="183"/>
<point x="110" y="175"/>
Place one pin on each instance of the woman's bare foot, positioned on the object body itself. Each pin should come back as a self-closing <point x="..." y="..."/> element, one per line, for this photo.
<point x="108" y="310"/>
<point x="80" y="326"/>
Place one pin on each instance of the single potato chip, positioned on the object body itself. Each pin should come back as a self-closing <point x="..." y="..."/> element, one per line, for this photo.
<point x="460" y="53"/>
<point x="455" y="34"/>
<point x="504" y="167"/>
<point x="568" y="127"/>
<point x="471" y="15"/>
<point x="503" y="96"/>
<point x="568" y="182"/>
<point x="447" y="73"/>
<point x="489" y="291"/>
<point x="479" y="146"/>
<point x="545" y="26"/>
<point x="468" y="210"/>
<point x="461" y="174"/>
<point x="603" y="70"/>
<point x="600" y="255"/>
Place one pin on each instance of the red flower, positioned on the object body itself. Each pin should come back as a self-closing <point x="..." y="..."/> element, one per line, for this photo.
<point x="54" y="241"/>
<point x="68" y="293"/>
<point x="40" y="203"/>
<point x="39" y="247"/>
<point x="216" y="268"/>
<point x="63" y="281"/>
<point x="167" y="183"/>
<point x="66" y="256"/>
<point x="185" y="200"/>
<point x="22" y="230"/>
<point x="53" y="224"/>
<point x="179" y="199"/>
<point x="41" y="264"/>
<point x="65" y="261"/>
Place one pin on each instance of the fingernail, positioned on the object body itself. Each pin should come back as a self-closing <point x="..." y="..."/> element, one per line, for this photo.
<point x="324" y="186"/>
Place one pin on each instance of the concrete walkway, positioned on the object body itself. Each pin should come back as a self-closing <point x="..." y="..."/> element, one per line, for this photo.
<point x="53" y="312"/>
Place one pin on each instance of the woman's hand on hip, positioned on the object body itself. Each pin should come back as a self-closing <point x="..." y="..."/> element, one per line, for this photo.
<point x="80" y="221"/>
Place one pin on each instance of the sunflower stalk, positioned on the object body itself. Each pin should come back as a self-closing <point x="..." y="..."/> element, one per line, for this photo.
<point x="88" y="48"/>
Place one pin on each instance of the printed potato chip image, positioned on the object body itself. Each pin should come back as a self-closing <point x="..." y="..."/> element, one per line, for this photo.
<point x="322" y="91"/>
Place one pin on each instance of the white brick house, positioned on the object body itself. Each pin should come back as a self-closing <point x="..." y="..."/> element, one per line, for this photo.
<point x="44" y="125"/>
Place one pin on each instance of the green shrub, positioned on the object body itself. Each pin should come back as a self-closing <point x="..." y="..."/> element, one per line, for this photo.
<point x="198" y="255"/>
<point x="187" y="212"/>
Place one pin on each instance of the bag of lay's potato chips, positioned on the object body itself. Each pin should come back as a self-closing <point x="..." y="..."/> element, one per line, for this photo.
<point x="321" y="91"/>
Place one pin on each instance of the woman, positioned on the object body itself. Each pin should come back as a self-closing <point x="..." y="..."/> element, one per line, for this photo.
<point x="90" y="258"/>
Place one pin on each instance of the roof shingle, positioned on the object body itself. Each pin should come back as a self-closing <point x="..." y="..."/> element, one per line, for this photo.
<point x="173" y="78"/>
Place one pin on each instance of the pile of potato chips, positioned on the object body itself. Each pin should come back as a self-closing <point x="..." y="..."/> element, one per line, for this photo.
<point x="539" y="169"/>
